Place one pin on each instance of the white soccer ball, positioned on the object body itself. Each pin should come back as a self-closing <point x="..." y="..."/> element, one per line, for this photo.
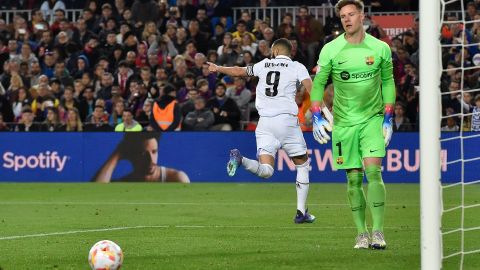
<point x="105" y="254"/>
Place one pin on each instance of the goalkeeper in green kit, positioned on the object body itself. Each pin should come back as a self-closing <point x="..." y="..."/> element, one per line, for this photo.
<point x="364" y="94"/>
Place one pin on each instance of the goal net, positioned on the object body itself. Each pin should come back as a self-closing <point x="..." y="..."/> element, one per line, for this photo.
<point x="449" y="120"/>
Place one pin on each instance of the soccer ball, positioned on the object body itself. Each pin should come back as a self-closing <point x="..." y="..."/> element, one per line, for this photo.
<point x="105" y="255"/>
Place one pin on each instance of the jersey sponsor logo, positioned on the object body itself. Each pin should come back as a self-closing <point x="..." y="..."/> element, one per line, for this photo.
<point x="269" y="65"/>
<point x="372" y="151"/>
<point x="345" y="75"/>
<point x="342" y="62"/>
<point x="361" y="75"/>
<point x="369" y="60"/>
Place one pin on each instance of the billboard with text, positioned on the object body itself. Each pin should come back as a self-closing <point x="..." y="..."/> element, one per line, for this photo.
<point x="201" y="156"/>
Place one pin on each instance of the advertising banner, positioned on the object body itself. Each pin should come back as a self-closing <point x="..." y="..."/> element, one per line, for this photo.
<point x="201" y="157"/>
<point x="394" y="25"/>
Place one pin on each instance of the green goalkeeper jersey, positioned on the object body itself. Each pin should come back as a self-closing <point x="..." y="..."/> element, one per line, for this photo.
<point x="362" y="78"/>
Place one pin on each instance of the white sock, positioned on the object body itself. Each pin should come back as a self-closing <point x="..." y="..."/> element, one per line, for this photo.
<point x="255" y="167"/>
<point x="302" y="185"/>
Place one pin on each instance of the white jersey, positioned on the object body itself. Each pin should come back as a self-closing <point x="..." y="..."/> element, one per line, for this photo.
<point x="277" y="85"/>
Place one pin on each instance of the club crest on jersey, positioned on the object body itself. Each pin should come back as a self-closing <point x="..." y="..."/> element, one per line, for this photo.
<point x="340" y="160"/>
<point x="369" y="60"/>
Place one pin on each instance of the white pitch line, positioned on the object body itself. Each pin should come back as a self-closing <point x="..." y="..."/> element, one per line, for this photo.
<point x="77" y="231"/>
<point x="14" y="237"/>
<point x="186" y="203"/>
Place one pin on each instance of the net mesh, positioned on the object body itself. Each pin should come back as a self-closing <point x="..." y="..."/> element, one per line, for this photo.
<point x="460" y="133"/>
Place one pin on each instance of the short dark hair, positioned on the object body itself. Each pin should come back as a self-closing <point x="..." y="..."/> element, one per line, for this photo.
<point x="284" y="43"/>
<point x="222" y="85"/>
<point x="358" y="3"/>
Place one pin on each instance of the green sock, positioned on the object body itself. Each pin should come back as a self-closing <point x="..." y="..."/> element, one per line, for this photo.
<point x="376" y="195"/>
<point x="356" y="197"/>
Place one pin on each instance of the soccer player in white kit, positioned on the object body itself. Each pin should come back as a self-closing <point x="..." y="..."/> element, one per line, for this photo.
<point x="278" y="126"/>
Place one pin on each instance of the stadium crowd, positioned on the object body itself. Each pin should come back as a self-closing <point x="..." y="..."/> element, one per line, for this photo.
<point x="132" y="65"/>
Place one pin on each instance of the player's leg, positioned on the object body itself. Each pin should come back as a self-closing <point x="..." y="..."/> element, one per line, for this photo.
<point x="373" y="150"/>
<point x="302" y="186"/>
<point x="267" y="147"/>
<point x="292" y="141"/>
<point x="346" y="154"/>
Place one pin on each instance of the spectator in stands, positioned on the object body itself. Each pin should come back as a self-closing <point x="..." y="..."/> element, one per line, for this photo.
<point x="20" y="100"/>
<point x="400" y="121"/>
<point x="470" y="13"/>
<point x="61" y="73"/>
<point x="48" y="8"/>
<point x="97" y="121"/>
<point x="189" y="84"/>
<point x="248" y="44"/>
<point x="199" y="60"/>
<point x="68" y="101"/>
<point x="225" y="110"/>
<point x="180" y="41"/>
<point x="73" y="122"/>
<point x="143" y="117"/>
<point x="144" y="11"/>
<point x="189" y="104"/>
<point x="451" y="124"/>
<point x="263" y="51"/>
<point x="200" y="39"/>
<point x="177" y="78"/>
<point x="52" y="122"/>
<point x="230" y="55"/>
<point x="26" y="55"/>
<point x="241" y="95"/>
<point x="3" y="125"/>
<point x="203" y="21"/>
<point x="166" y="113"/>
<point x="117" y="113"/>
<point x="26" y="123"/>
<point x="310" y="33"/>
<point x="227" y="40"/>
<point x="105" y="91"/>
<point x="200" y="119"/>
<point x="87" y="103"/>
<point x="187" y="10"/>
<point x="242" y="30"/>
<point x="128" y="124"/>
<point x="450" y="103"/>
<point x="6" y="109"/>
<point x="473" y="109"/>
<point x="203" y="89"/>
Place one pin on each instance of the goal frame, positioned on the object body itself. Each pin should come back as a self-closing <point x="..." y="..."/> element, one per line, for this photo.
<point x="430" y="120"/>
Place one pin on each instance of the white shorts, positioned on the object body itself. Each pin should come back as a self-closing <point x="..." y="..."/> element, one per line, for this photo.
<point x="281" y="131"/>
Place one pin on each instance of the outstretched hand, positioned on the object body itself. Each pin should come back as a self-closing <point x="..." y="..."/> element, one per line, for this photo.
<point x="321" y="125"/>
<point x="387" y="124"/>
<point x="212" y="67"/>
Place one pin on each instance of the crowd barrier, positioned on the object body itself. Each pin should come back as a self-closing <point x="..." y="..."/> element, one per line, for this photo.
<point x="78" y="157"/>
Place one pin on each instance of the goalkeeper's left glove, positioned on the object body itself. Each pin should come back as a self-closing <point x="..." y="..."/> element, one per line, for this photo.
<point x="387" y="124"/>
<point x="321" y="125"/>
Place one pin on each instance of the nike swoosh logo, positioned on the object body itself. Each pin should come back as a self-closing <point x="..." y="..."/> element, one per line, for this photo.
<point x="371" y="151"/>
<point x="341" y="62"/>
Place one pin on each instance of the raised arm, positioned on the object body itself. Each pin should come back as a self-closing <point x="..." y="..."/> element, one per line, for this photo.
<point x="230" y="71"/>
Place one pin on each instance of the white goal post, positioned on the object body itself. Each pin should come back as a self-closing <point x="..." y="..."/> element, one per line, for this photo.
<point x="430" y="119"/>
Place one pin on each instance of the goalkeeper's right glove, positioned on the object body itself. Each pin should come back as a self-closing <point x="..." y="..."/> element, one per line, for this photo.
<point x="321" y="125"/>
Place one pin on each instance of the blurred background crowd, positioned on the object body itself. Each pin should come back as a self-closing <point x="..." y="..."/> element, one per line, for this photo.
<point x="133" y="65"/>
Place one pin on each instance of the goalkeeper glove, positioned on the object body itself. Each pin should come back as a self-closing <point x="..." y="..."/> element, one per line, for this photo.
<point x="321" y="125"/>
<point x="387" y="124"/>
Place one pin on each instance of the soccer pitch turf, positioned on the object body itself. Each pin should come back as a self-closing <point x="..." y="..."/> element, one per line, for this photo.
<point x="212" y="226"/>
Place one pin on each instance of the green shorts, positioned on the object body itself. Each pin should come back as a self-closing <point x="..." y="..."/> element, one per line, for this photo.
<point x="352" y="144"/>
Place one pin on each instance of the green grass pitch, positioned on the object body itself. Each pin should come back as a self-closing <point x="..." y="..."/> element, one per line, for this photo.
<point x="215" y="226"/>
